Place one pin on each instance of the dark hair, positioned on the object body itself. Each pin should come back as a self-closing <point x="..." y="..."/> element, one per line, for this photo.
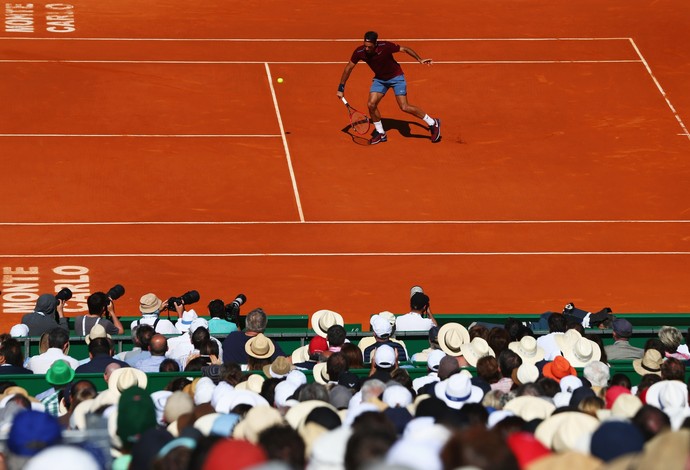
<point x="209" y="348"/>
<point x="285" y="444"/>
<point x="97" y="303"/>
<point x="12" y="351"/>
<point x="487" y="369"/>
<point x="508" y="361"/>
<point x="557" y="323"/>
<point x="366" y="447"/>
<point x="58" y="338"/>
<point x="144" y="334"/>
<point x="673" y="369"/>
<point x="336" y="365"/>
<point x="478" y="447"/>
<point x="336" y="335"/>
<point x="355" y="359"/>
<point x="216" y="308"/>
<point x="99" y="346"/>
<point x="268" y="389"/>
<point x="200" y="336"/>
<point x="169" y="365"/>
<point x="371" y="36"/>
<point x="498" y="339"/>
<point x="650" y="420"/>
<point x="621" y="379"/>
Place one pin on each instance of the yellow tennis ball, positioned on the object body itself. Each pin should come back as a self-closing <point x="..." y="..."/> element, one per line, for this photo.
<point x="280" y="80"/>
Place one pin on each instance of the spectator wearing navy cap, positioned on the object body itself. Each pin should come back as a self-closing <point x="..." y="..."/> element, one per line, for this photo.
<point x="621" y="348"/>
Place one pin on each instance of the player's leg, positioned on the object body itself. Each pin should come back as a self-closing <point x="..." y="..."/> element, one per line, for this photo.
<point x="400" y="88"/>
<point x="376" y="94"/>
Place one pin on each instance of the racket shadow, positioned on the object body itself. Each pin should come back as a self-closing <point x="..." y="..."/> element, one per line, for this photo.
<point x="356" y="138"/>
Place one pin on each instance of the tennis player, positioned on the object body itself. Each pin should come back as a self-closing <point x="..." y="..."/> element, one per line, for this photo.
<point x="378" y="55"/>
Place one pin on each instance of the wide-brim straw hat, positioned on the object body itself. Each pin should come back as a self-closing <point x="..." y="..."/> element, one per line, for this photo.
<point x="583" y="352"/>
<point x="320" y="374"/>
<point x="650" y="363"/>
<point x="253" y="383"/>
<point x="567" y="340"/>
<point x="528" y="350"/>
<point x="530" y="407"/>
<point x="300" y="354"/>
<point x="562" y="431"/>
<point x="322" y="320"/>
<point x="457" y="390"/>
<point x="475" y="350"/>
<point x="97" y="331"/>
<point x="260" y="347"/>
<point x="279" y="368"/>
<point x="451" y="337"/>
<point x="525" y="374"/>
<point x="126" y="377"/>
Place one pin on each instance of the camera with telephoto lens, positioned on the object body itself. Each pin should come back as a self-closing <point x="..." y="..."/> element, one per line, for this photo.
<point x="187" y="298"/>
<point x="65" y="294"/>
<point x="116" y="292"/>
<point x="232" y="310"/>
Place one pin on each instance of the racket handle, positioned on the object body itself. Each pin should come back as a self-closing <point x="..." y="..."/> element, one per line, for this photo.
<point x="342" y="98"/>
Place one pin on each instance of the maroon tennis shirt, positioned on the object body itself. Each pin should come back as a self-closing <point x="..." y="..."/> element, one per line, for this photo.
<point x="381" y="60"/>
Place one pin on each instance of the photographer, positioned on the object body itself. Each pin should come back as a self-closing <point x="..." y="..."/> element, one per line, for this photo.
<point x="42" y="319"/>
<point x="218" y="324"/>
<point x="420" y="317"/>
<point x="101" y="312"/>
<point x="150" y="307"/>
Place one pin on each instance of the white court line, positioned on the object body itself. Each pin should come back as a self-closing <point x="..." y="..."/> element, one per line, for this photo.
<point x="222" y="136"/>
<point x="661" y="90"/>
<point x="285" y="144"/>
<point x="346" y="222"/>
<point x="304" y="62"/>
<point x="318" y="255"/>
<point x="306" y="39"/>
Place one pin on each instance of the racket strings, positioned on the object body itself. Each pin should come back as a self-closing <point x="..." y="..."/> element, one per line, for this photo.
<point x="360" y="123"/>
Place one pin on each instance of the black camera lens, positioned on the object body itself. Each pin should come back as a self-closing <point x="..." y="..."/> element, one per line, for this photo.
<point x="65" y="294"/>
<point x="116" y="292"/>
<point x="190" y="297"/>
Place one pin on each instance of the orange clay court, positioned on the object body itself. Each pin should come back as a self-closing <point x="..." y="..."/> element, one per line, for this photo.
<point x="150" y="145"/>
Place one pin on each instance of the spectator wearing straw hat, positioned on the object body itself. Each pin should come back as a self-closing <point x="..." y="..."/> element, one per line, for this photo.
<point x="621" y="348"/>
<point x="322" y="320"/>
<point x="150" y="307"/>
<point x="259" y="350"/>
<point x="234" y="344"/>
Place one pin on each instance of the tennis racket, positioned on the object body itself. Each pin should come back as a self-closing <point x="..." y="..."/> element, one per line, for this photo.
<point x="359" y="122"/>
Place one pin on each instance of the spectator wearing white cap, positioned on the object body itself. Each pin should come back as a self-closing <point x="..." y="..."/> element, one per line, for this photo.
<point x="432" y="364"/>
<point x="383" y="329"/>
<point x="150" y="307"/>
<point x="419" y="318"/>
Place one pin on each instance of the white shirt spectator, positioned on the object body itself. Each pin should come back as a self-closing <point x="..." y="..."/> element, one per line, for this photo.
<point x="164" y="326"/>
<point x="413" y="321"/>
<point x="41" y="363"/>
<point x="550" y="346"/>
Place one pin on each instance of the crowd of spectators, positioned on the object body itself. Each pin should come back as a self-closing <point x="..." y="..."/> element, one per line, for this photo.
<point x="493" y="397"/>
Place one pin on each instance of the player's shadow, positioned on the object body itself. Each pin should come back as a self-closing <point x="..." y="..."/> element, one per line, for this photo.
<point x="405" y="128"/>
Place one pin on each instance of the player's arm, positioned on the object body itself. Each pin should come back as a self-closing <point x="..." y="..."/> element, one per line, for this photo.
<point x="343" y="78"/>
<point x="413" y="54"/>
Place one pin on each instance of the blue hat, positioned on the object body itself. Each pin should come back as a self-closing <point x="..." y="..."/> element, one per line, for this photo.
<point x="32" y="431"/>
<point x="615" y="438"/>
